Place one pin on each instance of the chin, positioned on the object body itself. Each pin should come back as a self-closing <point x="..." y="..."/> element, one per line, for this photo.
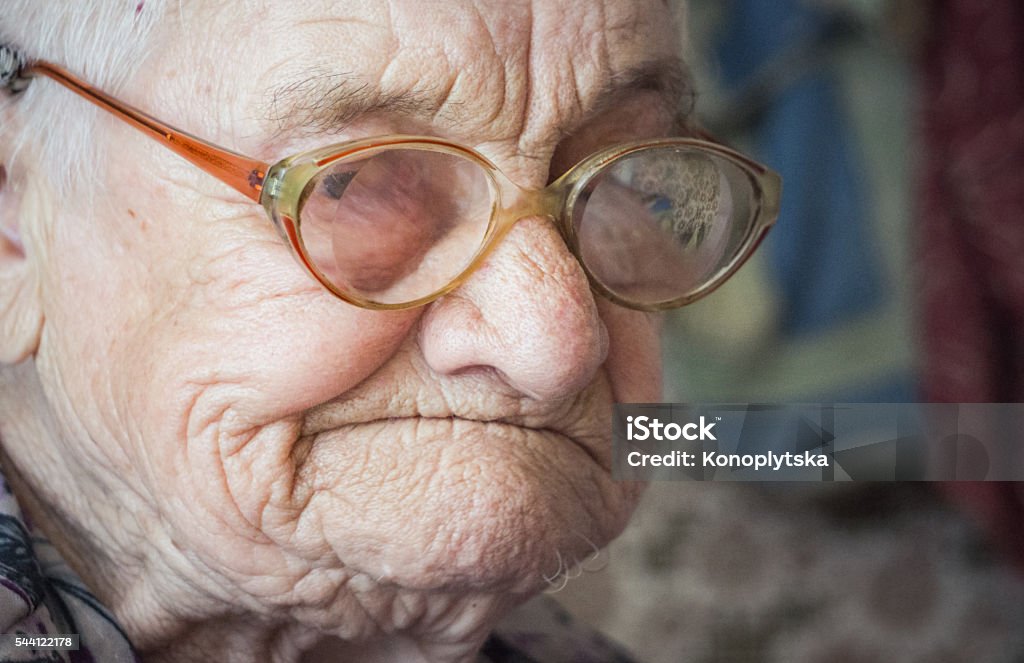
<point x="457" y="505"/>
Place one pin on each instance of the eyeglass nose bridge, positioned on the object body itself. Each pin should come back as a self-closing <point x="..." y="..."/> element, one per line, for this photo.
<point x="516" y="203"/>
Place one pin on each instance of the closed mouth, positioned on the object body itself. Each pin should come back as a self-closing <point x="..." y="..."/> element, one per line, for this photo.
<point x="498" y="421"/>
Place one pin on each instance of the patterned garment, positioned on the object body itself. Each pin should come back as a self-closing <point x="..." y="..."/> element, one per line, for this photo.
<point x="41" y="595"/>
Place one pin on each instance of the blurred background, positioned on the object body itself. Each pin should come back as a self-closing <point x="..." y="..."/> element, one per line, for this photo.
<point x="895" y="274"/>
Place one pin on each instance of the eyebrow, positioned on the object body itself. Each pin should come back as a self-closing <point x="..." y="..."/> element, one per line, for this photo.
<point x="325" y="102"/>
<point x="669" y="78"/>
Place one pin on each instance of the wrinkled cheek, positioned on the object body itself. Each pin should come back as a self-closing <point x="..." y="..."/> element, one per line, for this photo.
<point x="217" y="421"/>
<point x="228" y="500"/>
<point x="634" y="353"/>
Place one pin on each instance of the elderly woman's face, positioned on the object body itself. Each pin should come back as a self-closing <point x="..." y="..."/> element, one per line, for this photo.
<point x="292" y="444"/>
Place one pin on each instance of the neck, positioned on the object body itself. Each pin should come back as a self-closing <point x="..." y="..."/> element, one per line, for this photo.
<point x="170" y="621"/>
<point x="234" y="640"/>
<point x="244" y="639"/>
<point x="299" y="645"/>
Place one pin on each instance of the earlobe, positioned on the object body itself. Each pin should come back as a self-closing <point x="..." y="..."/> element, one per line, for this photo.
<point x="20" y="310"/>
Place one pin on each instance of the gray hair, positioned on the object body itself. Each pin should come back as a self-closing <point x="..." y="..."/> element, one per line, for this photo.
<point x="100" y="40"/>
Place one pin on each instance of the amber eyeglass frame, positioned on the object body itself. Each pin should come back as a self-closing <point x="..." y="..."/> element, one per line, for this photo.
<point x="279" y="188"/>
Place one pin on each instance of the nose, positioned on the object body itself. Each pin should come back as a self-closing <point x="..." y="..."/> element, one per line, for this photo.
<point x="527" y="314"/>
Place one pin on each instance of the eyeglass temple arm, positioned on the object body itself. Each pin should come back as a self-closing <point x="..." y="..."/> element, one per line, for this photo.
<point x="241" y="173"/>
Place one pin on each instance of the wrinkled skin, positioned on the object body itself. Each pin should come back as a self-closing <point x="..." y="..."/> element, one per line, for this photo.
<point x="237" y="461"/>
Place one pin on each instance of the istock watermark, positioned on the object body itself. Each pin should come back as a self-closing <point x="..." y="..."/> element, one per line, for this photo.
<point x="819" y="442"/>
<point x="646" y="427"/>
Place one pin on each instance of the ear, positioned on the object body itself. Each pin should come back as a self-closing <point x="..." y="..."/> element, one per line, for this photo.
<point x="21" y="319"/>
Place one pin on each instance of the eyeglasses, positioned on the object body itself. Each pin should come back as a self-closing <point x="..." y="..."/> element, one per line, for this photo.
<point x="397" y="221"/>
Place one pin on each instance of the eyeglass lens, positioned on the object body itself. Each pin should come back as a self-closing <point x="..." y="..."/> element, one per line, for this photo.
<point x="401" y="224"/>
<point x="397" y="225"/>
<point x="659" y="224"/>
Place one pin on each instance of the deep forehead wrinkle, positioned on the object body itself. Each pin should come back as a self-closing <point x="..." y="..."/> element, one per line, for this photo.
<point x="324" y="103"/>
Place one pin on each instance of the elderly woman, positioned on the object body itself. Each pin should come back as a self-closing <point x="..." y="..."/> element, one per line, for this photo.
<point x="344" y="365"/>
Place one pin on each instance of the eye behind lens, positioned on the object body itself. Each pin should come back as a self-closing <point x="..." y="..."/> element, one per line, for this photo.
<point x="661" y="224"/>
<point x="334" y="183"/>
<point x="398" y="225"/>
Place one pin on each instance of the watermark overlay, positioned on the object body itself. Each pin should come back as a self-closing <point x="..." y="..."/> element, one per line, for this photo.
<point x="819" y="442"/>
<point x="31" y="643"/>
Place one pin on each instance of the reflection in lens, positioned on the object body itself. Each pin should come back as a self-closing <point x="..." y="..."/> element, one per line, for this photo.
<point x="683" y="194"/>
<point x="395" y="226"/>
<point x="659" y="224"/>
